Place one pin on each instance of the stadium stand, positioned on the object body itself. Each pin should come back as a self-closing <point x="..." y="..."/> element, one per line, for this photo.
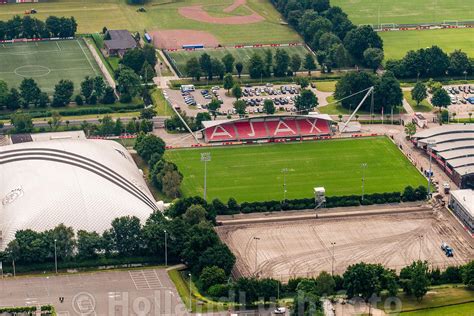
<point x="453" y="149"/>
<point x="267" y="128"/>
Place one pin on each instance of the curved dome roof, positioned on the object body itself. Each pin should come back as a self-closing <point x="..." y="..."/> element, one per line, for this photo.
<point x="84" y="184"/>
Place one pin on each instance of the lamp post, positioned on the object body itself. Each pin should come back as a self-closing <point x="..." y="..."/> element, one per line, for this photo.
<point x="431" y="144"/>
<point x="284" y="171"/>
<point x="363" y="167"/>
<point x="190" y="307"/>
<point x="166" y="248"/>
<point x="256" y="253"/>
<point x="205" y="157"/>
<point x="55" y="256"/>
<point x="332" y="265"/>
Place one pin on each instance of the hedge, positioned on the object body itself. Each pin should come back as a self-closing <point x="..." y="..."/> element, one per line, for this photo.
<point x="331" y="201"/>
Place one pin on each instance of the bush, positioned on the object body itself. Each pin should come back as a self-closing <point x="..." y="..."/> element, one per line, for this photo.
<point x="125" y="98"/>
<point x="219" y="291"/>
<point x="79" y="100"/>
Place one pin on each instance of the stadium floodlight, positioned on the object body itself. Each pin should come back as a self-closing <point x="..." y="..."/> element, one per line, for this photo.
<point x="369" y="92"/>
<point x="166" y="247"/>
<point x="205" y="157"/>
<point x="420" y="237"/>
<point x="363" y="166"/>
<point x="190" y="306"/>
<point x="256" y="253"/>
<point x="55" y="256"/>
<point x="431" y="144"/>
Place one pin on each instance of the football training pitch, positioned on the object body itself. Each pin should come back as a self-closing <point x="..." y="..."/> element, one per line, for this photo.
<point x="406" y="11"/>
<point x="46" y="62"/>
<point x="254" y="173"/>
<point x="242" y="55"/>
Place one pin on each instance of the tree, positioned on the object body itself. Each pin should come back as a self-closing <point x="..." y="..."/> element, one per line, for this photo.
<point x="282" y="62"/>
<point x="149" y="53"/>
<point x="309" y="63"/>
<point x="228" y="82"/>
<point x="240" y="107"/>
<point x="126" y="235"/>
<point x="359" y="39"/>
<point x="200" y="117"/>
<point x="256" y="66"/>
<point x="43" y="100"/>
<point x="109" y="96"/>
<point x="147" y="113"/>
<point x="147" y="72"/>
<point x="414" y="279"/>
<point x="55" y="120"/>
<point x="214" y="106"/>
<point x="206" y="65"/>
<point x="306" y="101"/>
<point x="410" y="129"/>
<point x="239" y="67"/>
<point x="218" y="68"/>
<point x="363" y="280"/>
<point x="29" y="92"/>
<point x="13" y="99"/>
<point x="171" y="183"/>
<point x="134" y="59"/>
<point x="325" y="284"/>
<point x="303" y="82"/>
<point x="22" y="122"/>
<point x="87" y="88"/>
<point x="218" y="255"/>
<point x="195" y="214"/>
<point x="459" y="63"/>
<point x="351" y="83"/>
<point x="295" y="63"/>
<point x="441" y="98"/>
<point x="63" y="92"/>
<point x="437" y="62"/>
<point x="373" y="58"/>
<point x="237" y="91"/>
<point x="468" y="275"/>
<point x="269" y="107"/>
<point x="65" y="242"/>
<point x="193" y="68"/>
<point x="147" y="145"/>
<point x="228" y="61"/>
<point x="88" y="244"/>
<point x="3" y="94"/>
<point x="267" y="72"/>
<point x="128" y="82"/>
<point x="211" y="275"/>
<point x="387" y="92"/>
<point x="419" y="93"/>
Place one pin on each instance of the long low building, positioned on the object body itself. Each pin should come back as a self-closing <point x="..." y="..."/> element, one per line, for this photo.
<point x="462" y="203"/>
<point x="81" y="183"/>
<point x="452" y="146"/>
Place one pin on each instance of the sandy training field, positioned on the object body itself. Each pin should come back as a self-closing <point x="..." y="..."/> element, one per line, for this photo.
<point x="175" y="39"/>
<point x="287" y="250"/>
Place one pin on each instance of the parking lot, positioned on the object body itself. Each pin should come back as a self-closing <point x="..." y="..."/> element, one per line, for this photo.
<point x="193" y="102"/>
<point x="462" y="99"/>
<point x="137" y="291"/>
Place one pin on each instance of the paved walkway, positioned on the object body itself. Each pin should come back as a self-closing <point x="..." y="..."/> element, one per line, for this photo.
<point x="102" y="67"/>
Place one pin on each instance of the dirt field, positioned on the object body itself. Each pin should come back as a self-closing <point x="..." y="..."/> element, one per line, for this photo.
<point x="173" y="39"/>
<point x="304" y="247"/>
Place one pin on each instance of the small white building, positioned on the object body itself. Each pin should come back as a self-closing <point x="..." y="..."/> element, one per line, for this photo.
<point x="462" y="203"/>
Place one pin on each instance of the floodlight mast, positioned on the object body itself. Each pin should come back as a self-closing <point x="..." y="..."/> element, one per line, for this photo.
<point x="370" y="91"/>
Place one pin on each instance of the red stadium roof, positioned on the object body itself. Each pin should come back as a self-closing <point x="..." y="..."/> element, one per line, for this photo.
<point x="267" y="127"/>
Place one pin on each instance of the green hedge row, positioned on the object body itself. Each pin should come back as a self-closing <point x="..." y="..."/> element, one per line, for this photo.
<point x="81" y="264"/>
<point x="83" y="111"/>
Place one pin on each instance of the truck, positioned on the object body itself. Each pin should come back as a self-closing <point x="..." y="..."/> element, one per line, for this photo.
<point x="448" y="251"/>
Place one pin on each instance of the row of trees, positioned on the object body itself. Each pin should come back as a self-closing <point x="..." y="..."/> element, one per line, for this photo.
<point x="93" y="90"/>
<point x="329" y="31"/>
<point x="142" y="60"/>
<point x="29" y="27"/>
<point x="387" y="91"/>
<point x="163" y="175"/>
<point x="431" y="62"/>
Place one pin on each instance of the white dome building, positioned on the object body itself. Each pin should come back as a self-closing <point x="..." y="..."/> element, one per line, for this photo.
<point x="84" y="184"/>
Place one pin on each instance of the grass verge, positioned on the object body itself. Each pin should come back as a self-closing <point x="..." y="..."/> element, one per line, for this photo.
<point x="424" y="106"/>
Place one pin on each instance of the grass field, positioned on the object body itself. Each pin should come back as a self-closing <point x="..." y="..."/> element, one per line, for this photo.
<point x="455" y="310"/>
<point x="47" y="63"/>
<point x="396" y="44"/>
<point x="93" y="15"/>
<point x="424" y="105"/>
<point x="240" y="54"/>
<point x="253" y="173"/>
<point x="405" y="11"/>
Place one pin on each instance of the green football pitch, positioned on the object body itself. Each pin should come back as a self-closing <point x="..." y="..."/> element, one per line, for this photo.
<point x="242" y="55"/>
<point x="406" y="11"/>
<point x="254" y="173"/>
<point x="47" y="63"/>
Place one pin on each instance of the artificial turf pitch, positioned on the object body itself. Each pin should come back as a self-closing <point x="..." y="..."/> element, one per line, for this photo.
<point x="46" y="62"/>
<point x="242" y="55"/>
<point x="254" y="173"/>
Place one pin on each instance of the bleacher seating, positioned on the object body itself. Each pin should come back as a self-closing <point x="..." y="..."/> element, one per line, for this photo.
<point x="267" y="128"/>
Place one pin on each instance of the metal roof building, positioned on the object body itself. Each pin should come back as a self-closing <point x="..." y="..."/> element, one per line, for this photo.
<point x="453" y="148"/>
<point x="84" y="184"/>
<point x="462" y="203"/>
